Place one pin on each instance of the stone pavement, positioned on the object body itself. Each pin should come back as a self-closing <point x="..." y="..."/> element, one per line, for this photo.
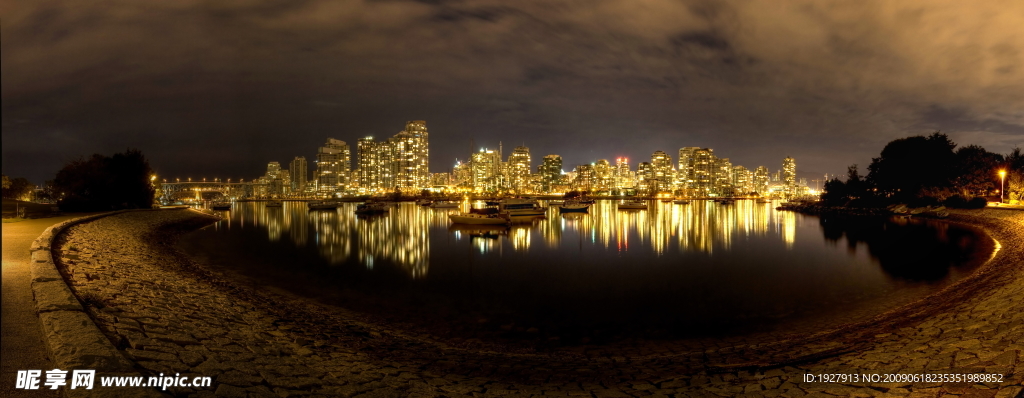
<point x="171" y="316"/>
<point x="21" y="345"/>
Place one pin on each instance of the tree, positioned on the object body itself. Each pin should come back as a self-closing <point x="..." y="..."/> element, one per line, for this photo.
<point x="121" y="181"/>
<point x="908" y="166"/>
<point x="976" y="171"/>
<point x="1013" y="164"/>
<point x="7" y="182"/>
<point x="18" y="188"/>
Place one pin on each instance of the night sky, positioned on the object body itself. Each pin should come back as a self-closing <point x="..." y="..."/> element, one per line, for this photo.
<point x="219" y="88"/>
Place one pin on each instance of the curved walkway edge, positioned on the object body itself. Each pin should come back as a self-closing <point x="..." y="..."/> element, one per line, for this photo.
<point x="274" y="351"/>
<point x="73" y="340"/>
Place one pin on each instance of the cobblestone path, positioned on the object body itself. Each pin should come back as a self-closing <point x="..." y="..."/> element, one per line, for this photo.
<point x="170" y="316"/>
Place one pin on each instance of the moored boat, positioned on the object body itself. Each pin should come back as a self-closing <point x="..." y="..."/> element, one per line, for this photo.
<point x="473" y="218"/>
<point x="275" y="203"/>
<point x="573" y="207"/>
<point x="444" y="205"/>
<point x="373" y="208"/>
<point x="632" y="205"/>
<point x="322" y="205"/>
<point x="681" y="202"/>
<point x="520" y="208"/>
<point x="220" y="206"/>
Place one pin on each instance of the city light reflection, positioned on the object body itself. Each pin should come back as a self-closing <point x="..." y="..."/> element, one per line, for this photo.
<point x="402" y="236"/>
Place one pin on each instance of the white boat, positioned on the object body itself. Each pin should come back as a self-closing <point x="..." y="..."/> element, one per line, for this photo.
<point x="470" y="218"/>
<point x="322" y="205"/>
<point x="275" y="203"/>
<point x="373" y="208"/>
<point x="681" y="202"/>
<point x="573" y="206"/>
<point x="632" y="205"/>
<point x="444" y="205"/>
<point x="520" y="208"/>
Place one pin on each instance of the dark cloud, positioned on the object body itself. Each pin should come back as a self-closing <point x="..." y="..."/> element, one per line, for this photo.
<point x="221" y="88"/>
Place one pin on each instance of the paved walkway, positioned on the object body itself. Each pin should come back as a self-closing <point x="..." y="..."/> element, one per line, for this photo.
<point x="21" y="346"/>
<point x="169" y="316"/>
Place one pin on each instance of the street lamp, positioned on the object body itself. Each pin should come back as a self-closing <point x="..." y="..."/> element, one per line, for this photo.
<point x="1002" y="185"/>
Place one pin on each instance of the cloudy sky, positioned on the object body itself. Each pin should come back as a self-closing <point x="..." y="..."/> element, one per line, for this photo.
<point x="219" y="88"/>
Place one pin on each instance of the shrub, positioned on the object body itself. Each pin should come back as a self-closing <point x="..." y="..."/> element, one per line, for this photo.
<point x="977" y="203"/>
<point x="956" y="201"/>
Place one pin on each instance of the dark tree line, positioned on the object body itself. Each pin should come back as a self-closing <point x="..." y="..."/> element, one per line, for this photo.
<point x="928" y="170"/>
<point x="16" y="188"/>
<point x="121" y="181"/>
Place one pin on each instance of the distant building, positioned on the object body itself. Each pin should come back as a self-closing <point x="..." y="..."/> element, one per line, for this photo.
<point x="789" y="176"/>
<point x="702" y="162"/>
<point x="661" y="171"/>
<point x="761" y="180"/>
<point x="603" y="175"/>
<point x="584" y="178"/>
<point x="333" y="162"/>
<point x="299" y="171"/>
<point x="550" y="171"/>
<point x="485" y="172"/>
<point x="741" y="180"/>
<point x="410" y="163"/>
<point x="519" y="166"/>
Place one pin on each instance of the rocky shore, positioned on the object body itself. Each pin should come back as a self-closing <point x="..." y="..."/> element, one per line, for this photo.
<point x="169" y="315"/>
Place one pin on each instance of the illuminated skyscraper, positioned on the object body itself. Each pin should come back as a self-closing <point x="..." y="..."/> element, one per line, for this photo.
<point x="410" y="157"/>
<point x="486" y="170"/>
<point x="603" y="175"/>
<point x="333" y="162"/>
<point x="550" y="170"/>
<point x="685" y="175"/>
<point x="585" y="178"/>
<point x="299" y="171"/>
<point x="703" y="175"/>
<point x="741" y="180"/>
<point x="623" y="175"/>
<point x="761" y="180"/>
<point x="723" y="177"/>
<point x="789" y="176"/>
<point x="519" y="169"/>
<point x="371" y="165"/>
<point x="661" y="169"/>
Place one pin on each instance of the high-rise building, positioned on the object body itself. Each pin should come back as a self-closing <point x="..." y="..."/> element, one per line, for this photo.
<point x="333" y="162"/>
<point x="685" y="175"/>
<point x="371" y="166"/>
<point x="741" y="180"/>
<point x="661" y="167"/>
<point x="761" y="180"/>
<point x="623" y="175"/>
<point x="723" y="177"/>
<point x="789" y="176"/>
<point x="486" y="170"/>
<point x="410" y="157"/>
<point x="702" y="162"/>
<point x="603" y="175"/>
<point x="299" y="171"/>
<point x="550" y="171"/>
<point x="519" y="169"/>
<point x="585" y="177"/>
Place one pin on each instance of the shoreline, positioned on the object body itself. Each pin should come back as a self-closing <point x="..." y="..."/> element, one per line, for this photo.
<point x="394" y="347"/>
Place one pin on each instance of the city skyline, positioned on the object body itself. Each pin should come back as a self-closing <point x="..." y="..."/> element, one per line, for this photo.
<point x="401" y="163"/>
<point x="214" y="87"/>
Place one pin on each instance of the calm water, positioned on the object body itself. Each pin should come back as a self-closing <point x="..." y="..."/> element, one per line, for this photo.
<point x="672" y="271"/>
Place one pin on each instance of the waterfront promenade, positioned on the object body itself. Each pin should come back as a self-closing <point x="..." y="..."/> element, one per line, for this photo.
<point x="22" y="344"/>
<point x="168" y="314"/>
